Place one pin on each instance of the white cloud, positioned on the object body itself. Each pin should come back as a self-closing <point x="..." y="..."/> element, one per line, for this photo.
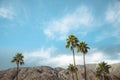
<point x="112" y="61"/>
<point x="50" y="57"/>
<point x="112" y="17"/>
<point x="61" y="27"/>
<point x="6" y="13"/>
<point x="113" y="13"/>
<point x="43" y="53"/>
<point x="95" y="57"/>
<point x="45" y="56"/>
<point x="61" y="60"/>
<point x="119" y="54"/>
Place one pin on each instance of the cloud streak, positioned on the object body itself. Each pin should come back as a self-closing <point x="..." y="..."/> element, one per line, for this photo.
<point x="112" y="20"/>
<point x="113" y="13"/>
<point x="82" y="16"/>
<point x="113" y="17"/>
<point x="45" y="56"/>
<point x="6" y="13"/>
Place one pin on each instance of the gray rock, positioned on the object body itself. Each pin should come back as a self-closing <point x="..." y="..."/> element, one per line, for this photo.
<point x="48" y="73"/>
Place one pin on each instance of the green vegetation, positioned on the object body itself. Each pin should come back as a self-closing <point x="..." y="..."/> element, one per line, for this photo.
<point x="102" y="71"/>
<point x="18" y="59"/>
<point x="83" y="48"/>
<point x="72" y="42"/>
<point x="71" y="69"/>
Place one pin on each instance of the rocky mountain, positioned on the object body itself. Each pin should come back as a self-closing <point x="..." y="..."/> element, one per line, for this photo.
<point x="48" y="73"/>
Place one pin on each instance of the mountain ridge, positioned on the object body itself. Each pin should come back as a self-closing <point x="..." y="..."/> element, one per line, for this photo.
<point x="57" y="73"/>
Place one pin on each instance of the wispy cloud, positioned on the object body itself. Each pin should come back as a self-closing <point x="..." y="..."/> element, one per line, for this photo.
<point x="43" y="53"/>
<point x="96" y="56"/>
<point x="82" y="16"/>
<point x="113" y="13"/>
<point x="46" y="56"/>
<point x="6" y="13"/>
<point x="112" y="19"/>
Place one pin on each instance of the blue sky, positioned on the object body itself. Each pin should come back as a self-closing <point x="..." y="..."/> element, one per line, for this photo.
<point x="39" y="28"/>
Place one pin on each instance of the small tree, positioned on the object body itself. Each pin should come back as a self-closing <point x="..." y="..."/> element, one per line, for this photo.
<point x="18" y="59"/>
<point x="102" y="71"/>
<point x="71" y="69"/>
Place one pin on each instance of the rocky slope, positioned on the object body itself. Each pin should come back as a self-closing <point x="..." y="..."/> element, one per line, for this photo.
<point x="48" y="73"/>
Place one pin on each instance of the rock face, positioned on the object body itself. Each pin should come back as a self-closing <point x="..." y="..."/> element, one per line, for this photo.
<point x="34" y="73"/>
<point x="48" y="73"/>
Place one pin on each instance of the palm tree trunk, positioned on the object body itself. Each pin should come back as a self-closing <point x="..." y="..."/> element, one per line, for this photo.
<point x="75" y="64"/>
<point x="69" y="77"/>
<point x="72" y="76"/>
<point x="17" y="71"/>
<point x="84" y="67"/>
<point x="103" y="76"/>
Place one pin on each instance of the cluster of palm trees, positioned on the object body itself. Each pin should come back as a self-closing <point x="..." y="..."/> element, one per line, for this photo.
<point x="102" y="71"/>
<point x="73" y="42"/>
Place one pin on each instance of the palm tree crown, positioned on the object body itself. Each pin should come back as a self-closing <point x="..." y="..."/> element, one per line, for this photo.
<point x="18" y="59"/>
<point x="71" y="68"/>
<point x="71" y="41"/>
<point x="102" y="70"/>
<point x="82" y="47"/>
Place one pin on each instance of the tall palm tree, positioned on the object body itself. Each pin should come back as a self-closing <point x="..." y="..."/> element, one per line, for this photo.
<point x="18" y="59"/>
<point x="72" y="42"/>
<point x="83" y="48"/>
<point x="71" y="69"/>
<point x="102" y="70"/>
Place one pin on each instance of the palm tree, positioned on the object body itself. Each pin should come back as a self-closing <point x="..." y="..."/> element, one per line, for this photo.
<point x="72" y="42"/>
<point x="18" y="59"/>
<point x="83" y="48"/>
<point x="71" y="69"/>
<point x="102" y="71"/>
